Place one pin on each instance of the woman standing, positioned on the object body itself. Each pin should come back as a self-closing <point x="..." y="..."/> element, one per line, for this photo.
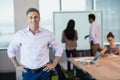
<point x="70" y="37"/>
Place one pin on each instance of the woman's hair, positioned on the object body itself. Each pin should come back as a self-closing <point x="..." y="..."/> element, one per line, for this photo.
<point x="69" y="31"/>
<point x="110" y="34"/>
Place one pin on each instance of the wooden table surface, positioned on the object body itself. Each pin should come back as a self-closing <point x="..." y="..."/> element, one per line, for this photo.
<point x="105" y="69"/>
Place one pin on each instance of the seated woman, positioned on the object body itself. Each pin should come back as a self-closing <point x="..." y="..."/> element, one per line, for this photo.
<point x="111" y="49"/>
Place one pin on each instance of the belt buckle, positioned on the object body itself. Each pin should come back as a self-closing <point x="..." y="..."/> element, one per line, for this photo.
<point x="32" y="71"/>
<point x="36" y="70"/>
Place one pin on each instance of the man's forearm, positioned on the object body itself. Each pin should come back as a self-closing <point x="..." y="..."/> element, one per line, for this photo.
<point x="16" y="64"/>
<point x="86" y="36"/>
<point x="14" y="61"/>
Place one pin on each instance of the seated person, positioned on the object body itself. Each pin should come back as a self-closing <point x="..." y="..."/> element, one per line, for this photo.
<point x="111" y="49"/>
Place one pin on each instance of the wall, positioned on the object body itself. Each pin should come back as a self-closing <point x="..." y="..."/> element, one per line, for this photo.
<point x="20" y="8"/>
<point x="5" y="63"/>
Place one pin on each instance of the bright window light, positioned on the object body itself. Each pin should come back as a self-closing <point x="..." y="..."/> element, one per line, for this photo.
<point x="6" y="23"/>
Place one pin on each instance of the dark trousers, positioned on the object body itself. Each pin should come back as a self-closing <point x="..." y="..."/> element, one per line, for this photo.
<point x="94" y="48"/>
<point x="42" y="75"/>
<point x="70" y="53"/>
<point x="60" y="73"/>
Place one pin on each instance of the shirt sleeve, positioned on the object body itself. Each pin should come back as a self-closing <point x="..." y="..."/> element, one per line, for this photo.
<point x="14" y="46"/>
<point x="56" y="46"/>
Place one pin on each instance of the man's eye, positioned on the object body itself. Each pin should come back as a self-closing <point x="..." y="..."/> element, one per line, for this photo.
<point x="35" y="17"/>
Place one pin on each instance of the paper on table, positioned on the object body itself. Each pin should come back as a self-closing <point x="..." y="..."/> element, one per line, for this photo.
<point x="112" y="55"/>
<point x="84" y="59"/>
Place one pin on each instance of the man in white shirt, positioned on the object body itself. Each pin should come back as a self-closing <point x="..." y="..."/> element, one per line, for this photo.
<point x="33" y="42"/>
<point x="94" y="35"/>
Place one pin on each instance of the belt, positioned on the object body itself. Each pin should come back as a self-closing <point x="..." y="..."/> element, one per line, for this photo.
<point x="35" y="70"/>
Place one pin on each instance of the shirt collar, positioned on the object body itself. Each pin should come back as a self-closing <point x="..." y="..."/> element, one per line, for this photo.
<point x="27" y="29"/>
<point x="93" y="22"/>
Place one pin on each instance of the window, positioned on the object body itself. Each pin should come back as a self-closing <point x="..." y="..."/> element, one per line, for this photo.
<point x="46" y="12"/>
<point x="73" y="5"/>
<point x="111" y="18"/>
<point x="48" y="7"/>
<point x="6" y="23"/>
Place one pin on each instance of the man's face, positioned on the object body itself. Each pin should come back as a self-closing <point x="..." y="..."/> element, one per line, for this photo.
<point x="33" y="19"/>
<point x="90" y="20"/>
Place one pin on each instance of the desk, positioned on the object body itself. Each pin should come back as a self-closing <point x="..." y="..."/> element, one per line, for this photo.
<point x="105" y="69"/>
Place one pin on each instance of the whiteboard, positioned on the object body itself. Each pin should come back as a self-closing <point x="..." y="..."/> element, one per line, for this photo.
<point x="82" y="25"/>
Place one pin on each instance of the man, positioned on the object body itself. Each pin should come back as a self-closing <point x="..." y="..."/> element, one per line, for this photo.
<point x="33" y="42"/>
<point x="94" y="35"/>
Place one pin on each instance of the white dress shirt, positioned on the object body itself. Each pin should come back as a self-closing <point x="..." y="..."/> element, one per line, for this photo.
<point x="34" y="49"/>
<point x="94" y="34"/>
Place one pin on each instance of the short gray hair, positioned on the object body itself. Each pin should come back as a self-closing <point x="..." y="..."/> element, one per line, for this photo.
<point x="32" y="10"/>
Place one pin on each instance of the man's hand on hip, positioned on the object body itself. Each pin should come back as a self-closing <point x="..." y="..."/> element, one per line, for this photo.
<point x="49" y="67"/>
<point x="21" y="68"/>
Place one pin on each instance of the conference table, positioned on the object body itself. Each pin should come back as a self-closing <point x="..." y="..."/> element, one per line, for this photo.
<point x="107" y="68"/>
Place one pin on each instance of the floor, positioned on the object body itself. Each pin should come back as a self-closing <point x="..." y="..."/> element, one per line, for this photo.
<point x="8" y="76"/>
<point x="12" y="76"/>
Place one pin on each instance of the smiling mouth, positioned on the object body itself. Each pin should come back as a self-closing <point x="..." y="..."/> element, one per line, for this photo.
<point x="33" y="23"/>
